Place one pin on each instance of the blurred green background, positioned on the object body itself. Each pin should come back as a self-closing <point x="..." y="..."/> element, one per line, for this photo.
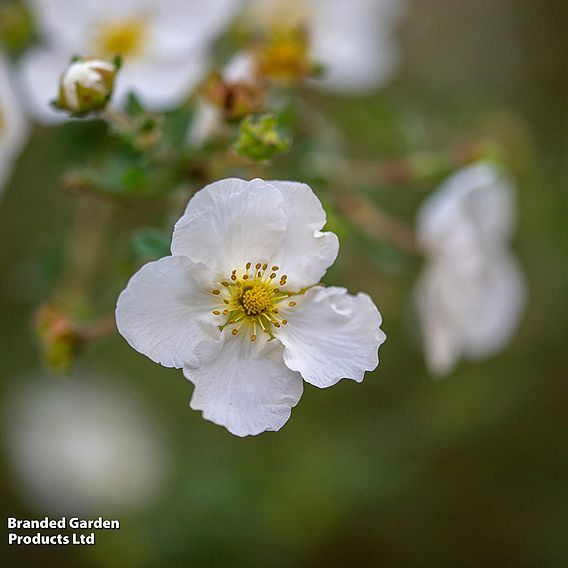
<point x="401" y="470"/>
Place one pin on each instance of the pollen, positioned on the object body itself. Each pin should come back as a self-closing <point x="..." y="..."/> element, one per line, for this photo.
<point x="252" y="300"/>
<point x="256" y="300"/>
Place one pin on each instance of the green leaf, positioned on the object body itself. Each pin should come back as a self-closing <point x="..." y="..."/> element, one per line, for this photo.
<point x="149" y="244"/>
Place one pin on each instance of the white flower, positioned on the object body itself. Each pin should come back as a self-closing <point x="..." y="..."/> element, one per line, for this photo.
<point x="239" y="308"/>
<point x="471" y="293"/>
<point x="13" y="125"/>
<point x="353" y="39"/>
<point x="163" y="44"/>
<point x="82" y="446"/>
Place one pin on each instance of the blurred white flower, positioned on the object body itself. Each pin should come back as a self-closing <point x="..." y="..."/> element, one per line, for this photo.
<point x="471" y="293"/>
<point x="163" y="43"/>
<point x="353" y="39"/>
<point x="82" y="446"/>
<point x="238" y="305"/>
<point x="13" y="125"/>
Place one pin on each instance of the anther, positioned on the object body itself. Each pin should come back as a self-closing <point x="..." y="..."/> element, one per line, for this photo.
<point x="235" y="331"/>
<point x="264" y="266"/>
<point x="245" y="276"/>
<point x="258" y="265"/>
<point x="275" y="268"/>
<point x="284" y="322"/>
<point x="253" y="337"/>
<point x="272" y="276"/>
<point x="233" y="277"/>
<point x="226" y="301"/>
<point x="225" y="312"/>
<point x="249" y="264"/>
<point x="225" y="284"/>
<point x="217" y="312"/>
<point x="291" y="304"/>
<point x="216" y="292"/>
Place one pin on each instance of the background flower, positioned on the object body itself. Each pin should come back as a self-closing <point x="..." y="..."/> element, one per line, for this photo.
<point x="354" y="40"/>
<point x="82" y="447"/>
<point x="13" y="125"/>
<point x="164" y="45"/>
<point x="471" y="293"/>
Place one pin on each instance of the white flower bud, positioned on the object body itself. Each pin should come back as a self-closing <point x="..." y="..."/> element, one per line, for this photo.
<point x="86" y="85"/>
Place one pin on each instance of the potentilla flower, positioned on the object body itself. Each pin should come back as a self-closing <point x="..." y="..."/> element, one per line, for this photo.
<point x="240" y="308"/>
<point x="13" y="125"/>
<point x="354" y="40"/>
<point x="163" y="45"/>
<point x="471" y="293"/>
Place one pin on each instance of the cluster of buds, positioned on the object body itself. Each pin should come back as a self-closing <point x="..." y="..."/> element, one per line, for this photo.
<point x="260" y="139"/>
<point x="234" y="99"/>
<point x="86" y="85"/>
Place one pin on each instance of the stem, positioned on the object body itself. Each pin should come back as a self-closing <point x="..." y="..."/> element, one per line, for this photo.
<point x="378" y="224"/>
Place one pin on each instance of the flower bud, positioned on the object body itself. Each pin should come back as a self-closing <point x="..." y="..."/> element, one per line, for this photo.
<point x="234" y="99"/>
<point x="260" y="139"/>
<point x="86" y="86"/>
<point x="58" y="337"/>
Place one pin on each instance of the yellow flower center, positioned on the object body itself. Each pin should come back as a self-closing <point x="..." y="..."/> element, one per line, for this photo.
<point x="250" y="299"/>
<point x="256" y="299"/>
<point x="284" y="54"/>
<point x="122" y="37"/>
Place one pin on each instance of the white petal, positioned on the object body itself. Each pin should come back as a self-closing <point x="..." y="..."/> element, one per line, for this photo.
<point x="478" y="200"/>
<point x="207" y="121"/>
<point x="38" y="72"/>
<point x="188" y="25"/>
<point x="355" y="42"/>
<point x="306" y="252"/>
<point x="244" y="385"/>
<point x="160" y="83"/>
<point x="229" y="223"/>
<point x="13" y="125"/>
<point x="440" y="330"/>
<point x="500" y="308"/>
<point x="166" y="310"/>
<point x="469" y="313"/>
<point x="331" y="335"/>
